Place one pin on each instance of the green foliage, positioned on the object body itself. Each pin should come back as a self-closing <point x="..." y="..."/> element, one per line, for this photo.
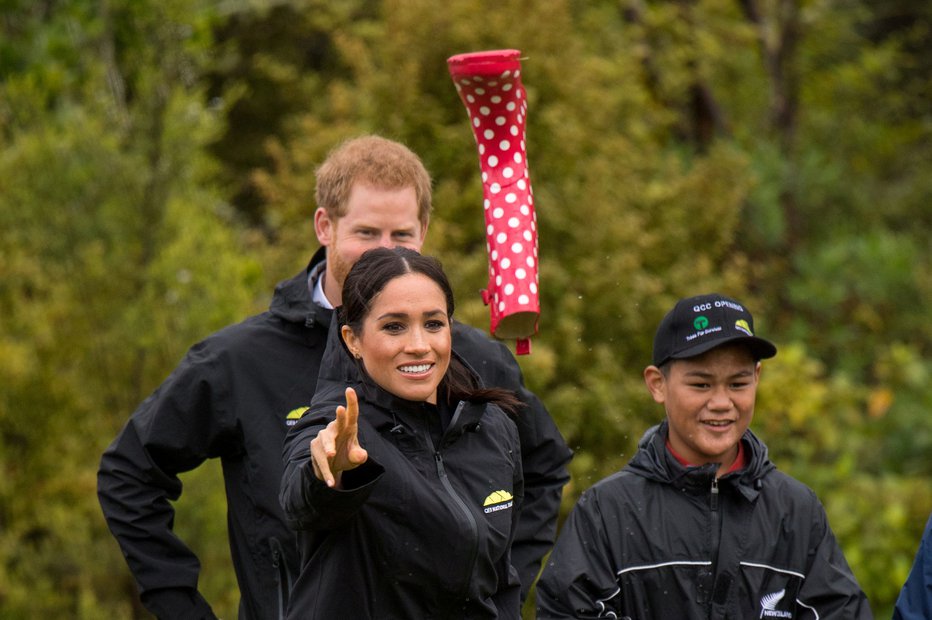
<point x="116" y="255"/>
<point x="157" y="178"/>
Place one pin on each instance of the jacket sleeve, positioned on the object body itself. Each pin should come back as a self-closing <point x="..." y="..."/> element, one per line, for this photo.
<point x="544" y="453"/>
<point x="308" y="503"/>
<point x="544" y="456"/>
<point x="830" y="587"/>
<point x="172" y="431"/>
<point x="915" y="599"/>
<point x="578" y="580"/>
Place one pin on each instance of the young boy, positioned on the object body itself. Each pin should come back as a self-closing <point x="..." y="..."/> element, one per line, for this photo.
<point x="700" y="524"/>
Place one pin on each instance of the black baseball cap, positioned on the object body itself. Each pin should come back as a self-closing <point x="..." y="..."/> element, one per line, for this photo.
<point x="697" y="324"/>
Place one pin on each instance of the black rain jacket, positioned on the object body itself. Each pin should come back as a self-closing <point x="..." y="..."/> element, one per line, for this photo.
<point x="231" y="398"/>
<point x="424" y="528"/>
<point x="659" y="540"/>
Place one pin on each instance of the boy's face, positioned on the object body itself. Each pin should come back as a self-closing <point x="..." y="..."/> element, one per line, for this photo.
<point x="709" y="400"/>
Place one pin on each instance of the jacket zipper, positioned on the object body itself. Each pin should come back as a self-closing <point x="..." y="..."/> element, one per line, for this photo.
<point x="284" y="578"/>
<point x="470" y="518"/>
<point x="716" y="532"/>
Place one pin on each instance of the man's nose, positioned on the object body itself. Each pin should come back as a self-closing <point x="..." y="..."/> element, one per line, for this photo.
<point x="386" y="241"/>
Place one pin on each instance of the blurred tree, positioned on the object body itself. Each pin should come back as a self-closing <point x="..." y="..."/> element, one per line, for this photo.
<point x="115" y="255"/>
<point x="775" y="150"/>
<point x="264" y="60"/>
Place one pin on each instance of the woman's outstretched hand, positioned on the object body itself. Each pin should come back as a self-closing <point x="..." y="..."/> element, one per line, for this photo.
<point x="336" y="448"/>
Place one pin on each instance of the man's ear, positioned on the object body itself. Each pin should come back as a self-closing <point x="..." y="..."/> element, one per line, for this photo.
<point x="323" y="227"/>
<point x="656" y="383"/>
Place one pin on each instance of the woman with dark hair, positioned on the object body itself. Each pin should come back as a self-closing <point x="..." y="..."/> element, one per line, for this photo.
<point x="404" y="476"/>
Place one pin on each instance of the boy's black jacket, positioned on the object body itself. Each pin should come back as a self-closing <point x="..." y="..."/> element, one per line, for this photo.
<point x="659" y="540"/>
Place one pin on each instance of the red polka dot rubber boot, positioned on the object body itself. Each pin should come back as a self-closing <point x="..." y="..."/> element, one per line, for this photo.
<point x="489" y="85"/>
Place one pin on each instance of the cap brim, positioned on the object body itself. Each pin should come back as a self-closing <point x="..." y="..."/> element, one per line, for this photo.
<point x="761" y="349"/>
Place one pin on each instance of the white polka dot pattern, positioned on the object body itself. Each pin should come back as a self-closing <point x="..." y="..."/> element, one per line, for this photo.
<point x="489" y="85"/>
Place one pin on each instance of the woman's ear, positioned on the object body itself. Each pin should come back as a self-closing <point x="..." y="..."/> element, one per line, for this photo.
<point x="352" y="342"/>
<point x="656" y="383"/>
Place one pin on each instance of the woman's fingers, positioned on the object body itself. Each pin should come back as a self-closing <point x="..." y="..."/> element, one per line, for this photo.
<point x="336" y="447"/>
<point x="321" y="460"/>
<point x="352" y="408"/>
<point x="355" y="454"/>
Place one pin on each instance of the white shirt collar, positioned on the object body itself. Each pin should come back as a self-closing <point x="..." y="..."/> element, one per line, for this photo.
<point x="317" y="290"/>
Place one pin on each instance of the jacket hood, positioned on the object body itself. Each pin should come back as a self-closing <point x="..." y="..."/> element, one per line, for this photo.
<point x="292" y="299"/>
<point x="654" y="461"/>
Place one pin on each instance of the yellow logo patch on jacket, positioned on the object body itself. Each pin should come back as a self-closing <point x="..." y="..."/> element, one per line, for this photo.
<point x="499" y="500"/>
<point x="294" y="415"/>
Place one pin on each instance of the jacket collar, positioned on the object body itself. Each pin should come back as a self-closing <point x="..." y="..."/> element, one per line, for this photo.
<point x="654" y="461"/>
<point x="292" y="298"/>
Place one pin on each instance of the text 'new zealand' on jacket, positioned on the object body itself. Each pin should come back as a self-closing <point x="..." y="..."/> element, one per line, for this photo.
<point x="424" y="528"/>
